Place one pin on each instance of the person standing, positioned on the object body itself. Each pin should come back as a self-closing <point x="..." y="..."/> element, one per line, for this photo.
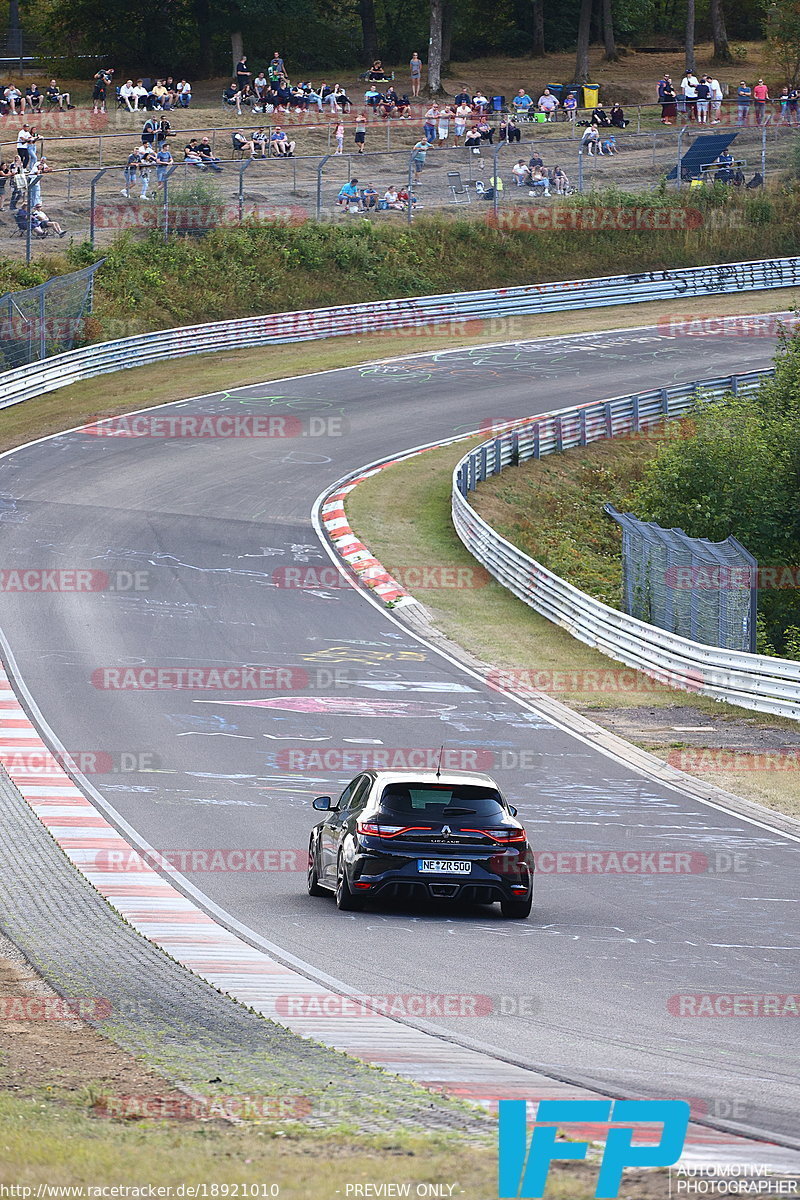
<point x="361" y="132"/>
<point x="431" y="121"/>
<point x="131" y="168"/>
<point x="716" y="99"/>
<point x="689" y="92"/>
<point x="102" y="81"/>
<point x="443" y="131"/>
<point x="415" y="67"/>
<point x="761" y="96"/>
<point x="463" y="114"/>
<point x="164" y="161"/>
<point x="339" y="135"/>
<point x="418" y="157"/>
<point x="146" y="161"/>
<point x="26" y="139"/>
<point x="794" y="99"/>
<point x="703" y="98"/>
<point x="744" y="96"/>
<point x="242" y="73"/>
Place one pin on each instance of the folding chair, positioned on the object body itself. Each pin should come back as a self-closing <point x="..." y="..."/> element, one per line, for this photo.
<point x="459" y="189"/>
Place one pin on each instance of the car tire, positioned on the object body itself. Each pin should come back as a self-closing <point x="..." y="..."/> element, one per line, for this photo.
<point x="314" y="888"/>
<point x="517" y="910"/>
<point x="346" y="900"/>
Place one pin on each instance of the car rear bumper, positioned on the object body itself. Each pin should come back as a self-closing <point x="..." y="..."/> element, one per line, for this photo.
<point x="372" y="875"/>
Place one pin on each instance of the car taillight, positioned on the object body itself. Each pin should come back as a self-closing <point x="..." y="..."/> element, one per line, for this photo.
<point x="373" y="829"/>
<point x="503" y="836"/>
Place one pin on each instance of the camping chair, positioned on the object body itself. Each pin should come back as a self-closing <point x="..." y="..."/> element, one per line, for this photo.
<point x="459" y="189"/>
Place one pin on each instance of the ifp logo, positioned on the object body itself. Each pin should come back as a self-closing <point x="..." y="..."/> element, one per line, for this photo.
<point x="523" y="1170"/>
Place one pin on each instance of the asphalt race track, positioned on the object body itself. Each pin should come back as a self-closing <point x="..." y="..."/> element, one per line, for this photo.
<point x="580" y="990"/>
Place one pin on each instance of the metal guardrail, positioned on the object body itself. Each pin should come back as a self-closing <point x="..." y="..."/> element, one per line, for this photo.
<point x="421" y="312"/>
<point x="753" y="681"/>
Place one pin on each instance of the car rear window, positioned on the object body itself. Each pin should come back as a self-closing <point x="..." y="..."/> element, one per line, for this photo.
<point x="435" y="799"/>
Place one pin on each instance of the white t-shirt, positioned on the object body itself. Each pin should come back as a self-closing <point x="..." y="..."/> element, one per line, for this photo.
<point x="716" y="90"/>
<point x="689" y="86"/>
<point x="24" y="138"/>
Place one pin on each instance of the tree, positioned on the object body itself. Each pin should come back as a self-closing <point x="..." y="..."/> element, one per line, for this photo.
<point x="608" y="32"/>
<point x="435" y="49"/>
<point x="722" y="51"/>
<point x="690" y="24"/>
<point x="538" y="48"/>
<point x="369" y="31"/>
<point x="582" y="54"/>
<point x="783" y="38"/>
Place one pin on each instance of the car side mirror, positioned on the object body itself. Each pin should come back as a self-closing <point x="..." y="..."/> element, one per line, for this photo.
<point x="322" y="803"/>
<point x="512" y="809"/>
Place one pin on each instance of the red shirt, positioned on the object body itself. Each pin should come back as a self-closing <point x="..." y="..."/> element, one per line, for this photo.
<point x="761" y="92"/>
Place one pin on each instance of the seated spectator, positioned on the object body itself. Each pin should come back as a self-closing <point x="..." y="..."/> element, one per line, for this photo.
<point x="570" y="105"/>
<point x="281" y="145"/>
<point x="243" y="144"/>
<point x="376" y="73"/>
<point x="207" y="155"/>
<point x="548" y="104"/>
<point x="405" y="197"/>
<point x="462" y="97"/>
<point x="521" y="102"/>
<point x="617" y="116"/>
<point x="128" y="97"/>
<point x="349" y="195"/>
<point x="540" y="182"/>
<point x="609" y="146"/>
<point x="160" y="95"/>
<point x="169" y="84"/>
<point x="372" y="97"/>
<point x="192" y="155"/>
<point x="183" y="94"/>
<point x="520" y="172"/>
<point x="535" y="161"/>
<point x="472" y="139"/>
<point x="15" y="99"/>
<point x="260" y="140"/>
<point x="56" y="96"/>
<point x="590" y="139"/>
<point x="232" y="96"/>
<point x="486" y="131"/>
<point x="368" y="198"/>
<point x="40" y="218"/>
<point x="480" y="102"/>
<point x="142" y="95"/>
<point x="391" y="198"/>
<point x="260" y="85"/>
<point x="560" y="181"/>
<point x="600" y="117"/>
<point x="338" y="99"/>
<point x="33" y="98"/>
<point x="508" y="131"/>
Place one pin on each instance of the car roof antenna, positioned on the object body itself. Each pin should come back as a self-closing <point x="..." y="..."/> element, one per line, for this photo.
<point x="439" y="764"/>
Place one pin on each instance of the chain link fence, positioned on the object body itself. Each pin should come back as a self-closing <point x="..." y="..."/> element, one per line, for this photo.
<point x="701" y="590"/>
<point x="44" y="320"/>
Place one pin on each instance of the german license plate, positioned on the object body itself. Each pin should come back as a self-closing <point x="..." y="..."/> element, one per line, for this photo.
<point x="444" y="866"/>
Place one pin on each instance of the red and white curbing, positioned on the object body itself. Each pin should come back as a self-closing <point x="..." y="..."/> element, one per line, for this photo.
<point x="372" y="574"/>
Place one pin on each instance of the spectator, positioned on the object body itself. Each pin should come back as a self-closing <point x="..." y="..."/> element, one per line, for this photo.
<point x="210" y="160"/>
<point x="242" y="143"/>
<point x="126" y="95"/>
<point x="160" y="95"/>
<point x="260" y="86"/>
<point x="19" y="183"/>
<point x="617" y="116"/>
<point x="703" y="100"/>
<point x="431" y="123"/>
<point x="535" y="161"/>
<point x="521" y="102"/>
<point x="689" y="92"/>
<point x="169" y="84"/>
<point x="486" y="131"/>
<point x="40" y="220"/>
<point x="242" y="73"/>
<point x="15" y="99"/>
<point x="131" y="169"/>
<point x="784" y="102"/>
<point x="277" y="70"/>
<point x="349" y="195"/>
<point x="419" y="155"/>
<point x="590" y="140"/>
<point x="142" y="95"/>
<point x="368" y="198"/>
<point x="147" y="159"/>
<point x="548" y="104"/>
<point x="761" y="96"/>
<point x="35" y="172"/>
<point x="163" y="131"/>
<point x="744" y="96"/>
<point x="5" y="175"/>
<point x="520" y="172"/>
<point x="794" y="97"/>
<point x="33" y="98"/>
<point x="338" y="98"/>
<point x="406" y="198"/>
<point x="609" y="145"/>
<point x="668" y="100"/>
<point x="391" y="198"/>
<point x="339" y="135"/>
<point x="361" y="132"/>
<point x="540" y="182"/>
<point x="164" y="161"/>
<point x="102" y="81"/>
<point x="232" y="95"/>
<point x="183" y="94"/>
<point x="282" y="146"/>
<point x="570" y="105"/>
<point x="192" y="155"/>
<point x="462" y="97"/>
<point x="716" y="99"/>
<point x="415" y="67"/>
<point x="260" y="141"/>
<point x="149" y="131"/>
<point x="600" y="117"/>
<point x="473" y="138"/>
<point x="560" y="181"/>
<point x="513" y="131"/>
<point x="443" y="127"/>
<point x="376" y="73"/>
<point x="56" y="96"/>
<point x="481" y="102"/>
<point x="26" y="139"/>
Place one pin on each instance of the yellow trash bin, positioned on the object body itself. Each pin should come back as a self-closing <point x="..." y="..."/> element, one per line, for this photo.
<point x="591" y="95"/>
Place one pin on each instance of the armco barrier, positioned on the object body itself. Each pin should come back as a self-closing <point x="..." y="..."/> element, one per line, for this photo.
<point x="752" y="681"/>
<point x="422" y="311"/>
